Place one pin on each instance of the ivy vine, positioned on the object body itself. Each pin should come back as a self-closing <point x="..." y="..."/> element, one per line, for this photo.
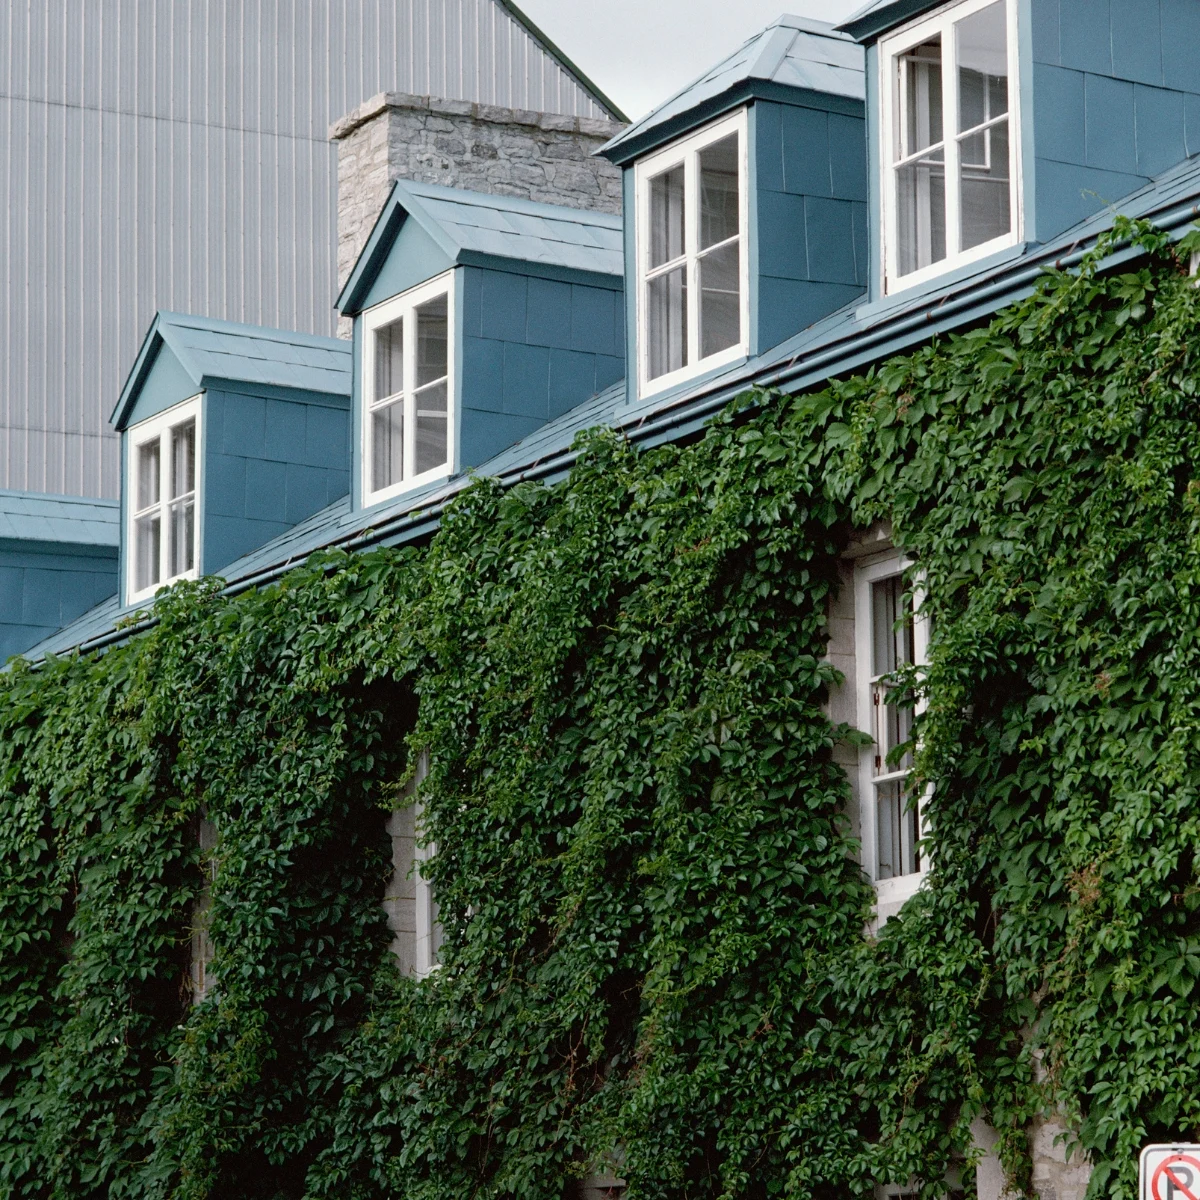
<point x="655" y="952"/>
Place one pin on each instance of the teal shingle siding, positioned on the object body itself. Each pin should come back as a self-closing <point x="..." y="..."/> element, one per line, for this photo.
<point x="58" y="558"/>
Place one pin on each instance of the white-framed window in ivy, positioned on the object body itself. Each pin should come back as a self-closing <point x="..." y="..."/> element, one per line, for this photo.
<point x="409" y="426"/>
<point x="162" y="477"/>
<point x="693" y="294"/>
<point x="950" y="100"/>
<point x="410" y="901"/>
<point x="889" y="635"/>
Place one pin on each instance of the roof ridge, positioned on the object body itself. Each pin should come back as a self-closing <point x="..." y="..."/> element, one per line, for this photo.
<point x="182" y="320"/>
<point x="499" y="201"/>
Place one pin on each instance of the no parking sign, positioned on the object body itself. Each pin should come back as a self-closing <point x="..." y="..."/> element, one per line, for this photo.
<point x="1170" y="1173"/>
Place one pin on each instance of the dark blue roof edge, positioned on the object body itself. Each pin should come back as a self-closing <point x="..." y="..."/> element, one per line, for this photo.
<point x="689" y="413"/>
<point x="525" y="266"/>
<point x="277" y="391"/>
<point x="622" y="153"/>
<point x="867" y="24"/>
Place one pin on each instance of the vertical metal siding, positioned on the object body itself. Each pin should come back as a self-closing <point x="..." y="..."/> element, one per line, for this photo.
<point x="158" y="154"/>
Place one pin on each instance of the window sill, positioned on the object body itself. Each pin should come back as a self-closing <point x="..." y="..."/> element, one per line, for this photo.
<point x="416" y="484"/>
<point x="147" y="595"/>
<point x="891" y="895"/>
<point x="951" y="279"/>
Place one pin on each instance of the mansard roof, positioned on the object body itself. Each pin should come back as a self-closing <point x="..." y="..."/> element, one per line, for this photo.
<point x="851" y="339"/>
<point x="486" y="230"/>
<point x="791" y="53"/>
<point x="212" y="351"/>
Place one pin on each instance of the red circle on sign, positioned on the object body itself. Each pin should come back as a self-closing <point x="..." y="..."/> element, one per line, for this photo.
<point x="1163" y="1173"/>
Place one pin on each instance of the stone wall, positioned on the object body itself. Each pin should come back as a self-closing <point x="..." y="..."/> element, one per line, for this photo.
<point x="502" y="151"/>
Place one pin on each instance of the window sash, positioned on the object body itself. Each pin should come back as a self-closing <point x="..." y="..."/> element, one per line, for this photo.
<point x="894" y="113"/>
<point x="890" y="829"/>
<point x="172" y="515"/>
<point x="688" y="154"/>
<point x="414" y="416"/>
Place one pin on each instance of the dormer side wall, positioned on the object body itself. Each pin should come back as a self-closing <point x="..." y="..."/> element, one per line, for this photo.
<point x="532" y="349"/>
<point x="1116" y="100"/>
<point x="809" y="216"/>
<point x="270" y="462"/>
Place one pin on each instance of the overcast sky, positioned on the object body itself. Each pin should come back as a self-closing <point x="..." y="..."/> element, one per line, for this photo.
<point x="641" y="51"/>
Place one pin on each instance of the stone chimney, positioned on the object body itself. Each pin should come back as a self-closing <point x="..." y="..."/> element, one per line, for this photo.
<point x="478" y="147"/>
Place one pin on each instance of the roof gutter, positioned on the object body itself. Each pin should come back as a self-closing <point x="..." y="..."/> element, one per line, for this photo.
<point x="412" y="526"/>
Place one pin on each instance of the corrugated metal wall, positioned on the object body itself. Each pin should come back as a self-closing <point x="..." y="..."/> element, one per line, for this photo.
<point x="173" y="154"/>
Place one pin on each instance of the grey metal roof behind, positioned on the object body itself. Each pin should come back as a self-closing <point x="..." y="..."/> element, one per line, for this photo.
<point x="509" y="227"/>
<point x="40" y="517"/>
<point x="792" y="51"/>
<point x="847" y="340"/>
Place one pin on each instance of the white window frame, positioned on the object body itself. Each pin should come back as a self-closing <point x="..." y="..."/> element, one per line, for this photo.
<point x="911" y="35"/>
<point x="426" y="923"/>
<point x="396" y="308"/>
<point x="894" y="891"/>
<point x="159" y="427"/>
<point x="687" y="151"/>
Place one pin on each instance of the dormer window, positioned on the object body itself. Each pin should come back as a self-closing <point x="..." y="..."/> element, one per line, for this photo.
<point x="950" y="186"/>
<point x="408" y="425"/>
<point x="161" y="499"/>
<point x="691" y="253"/>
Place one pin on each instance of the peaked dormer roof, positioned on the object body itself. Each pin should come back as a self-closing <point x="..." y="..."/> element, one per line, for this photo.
<point x="211" y="351"/>
<point x="477" y="228"/>
<point x="792" y="53"/>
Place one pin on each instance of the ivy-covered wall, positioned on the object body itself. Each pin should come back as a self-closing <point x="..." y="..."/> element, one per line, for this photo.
<point x="654" y="913"/>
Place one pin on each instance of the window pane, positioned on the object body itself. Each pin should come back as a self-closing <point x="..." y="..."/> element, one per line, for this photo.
<point x="720" y="300"/>
<point x="921" y="213"/>
<point x="985" y="195"/>
<point x="982" y="66"/>
<point x="183" y="460"/>
<point x="719" y="210"/>
<point x="920" y="98"/>
<point x="893" y="727"/>
<point x="387" y="445"/>
<point x="666" y="301"/>
<point x="666" y="216"/>
<point x="892" y="647"/>
<point x="431" y="428"/>
<point x="147" y="535"/>
<point x="181" y="552"/>
<point x="389" y="360"/>
<point x="148" y="474"/>
<point x="896" y="831"/>
<point x="431" y="341"/>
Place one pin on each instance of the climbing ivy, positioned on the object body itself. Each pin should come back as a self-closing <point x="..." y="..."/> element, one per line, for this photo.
<point x="655" y="920"/>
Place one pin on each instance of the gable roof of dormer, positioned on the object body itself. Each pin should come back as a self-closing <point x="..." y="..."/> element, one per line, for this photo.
<point x="479" y="229"/>
<point x="212" y="352"/>
<point x="792" y="53"/>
